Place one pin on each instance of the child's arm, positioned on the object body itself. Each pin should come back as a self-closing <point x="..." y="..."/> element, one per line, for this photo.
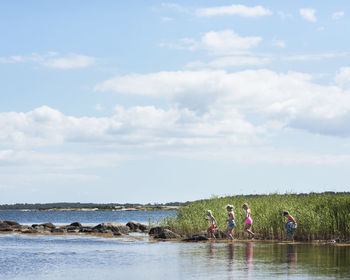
<point x="246" y="216"/>
<point x="292" y="219"/>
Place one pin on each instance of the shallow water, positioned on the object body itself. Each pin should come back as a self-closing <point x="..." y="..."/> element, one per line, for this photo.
<point x="84" y="217"/>
<point x="75" y="257"/>
<point x="85" y="257"/>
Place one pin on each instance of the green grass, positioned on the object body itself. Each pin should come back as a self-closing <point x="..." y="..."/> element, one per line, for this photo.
<point x="319" y="216"/>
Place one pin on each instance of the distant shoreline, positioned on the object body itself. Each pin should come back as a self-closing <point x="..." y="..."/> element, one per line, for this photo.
<point x="115" y="209"/>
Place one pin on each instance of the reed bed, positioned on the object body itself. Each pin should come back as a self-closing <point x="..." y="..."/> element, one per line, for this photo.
<point x="320" y="216"/>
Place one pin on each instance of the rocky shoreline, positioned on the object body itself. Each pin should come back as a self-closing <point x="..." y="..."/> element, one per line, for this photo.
<point x="107" y="229"/>
<point x="113" y="229"/>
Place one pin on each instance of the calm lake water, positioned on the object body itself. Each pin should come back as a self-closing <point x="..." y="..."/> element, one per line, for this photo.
<point x="26" y="257"/>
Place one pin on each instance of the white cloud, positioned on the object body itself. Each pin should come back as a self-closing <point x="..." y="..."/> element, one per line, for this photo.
<point x="53" y="60"/>
<point x="31" y="160"/>
<point x="316" y="56"/>
<point x="342" y="77"/>
<point x="167" y="19"/>
<point x="291" y="98"/>
<point x="308" y="14"/>
<point x="217" y="42"/>
<point x="231" y="61"/>
<point x="226" y="41"/>
<point x="337" y="15"/>
<point x="69" y="62"/>
<point x="279" y="43"/>
<point x="239" y="10"/>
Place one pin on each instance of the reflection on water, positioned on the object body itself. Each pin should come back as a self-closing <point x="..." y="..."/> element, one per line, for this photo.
<point x="86" y="257"/>
<point x="249" y="257"/>
<point x="291" y="257"/>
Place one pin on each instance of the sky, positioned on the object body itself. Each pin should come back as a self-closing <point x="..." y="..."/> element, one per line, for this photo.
<point x="155" y="101"/>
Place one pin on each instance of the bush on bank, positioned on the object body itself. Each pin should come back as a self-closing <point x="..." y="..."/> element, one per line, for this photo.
<point x="318" y="215"/>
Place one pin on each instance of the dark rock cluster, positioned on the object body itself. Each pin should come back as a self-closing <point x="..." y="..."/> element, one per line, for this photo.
<point x="109" y="229"/>
<point x="76" y="227"/>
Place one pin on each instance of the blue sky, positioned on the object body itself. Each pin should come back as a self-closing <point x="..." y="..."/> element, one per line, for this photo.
<point x="155" y="101"/>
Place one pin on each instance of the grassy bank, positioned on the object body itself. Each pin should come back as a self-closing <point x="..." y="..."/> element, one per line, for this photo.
<point x="319" y="216"/>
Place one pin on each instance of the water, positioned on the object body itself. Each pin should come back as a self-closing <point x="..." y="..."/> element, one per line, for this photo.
<point x="84" y="217"/>
<point x="74" y="257"/>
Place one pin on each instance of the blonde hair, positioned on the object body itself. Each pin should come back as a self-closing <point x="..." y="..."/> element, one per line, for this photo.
<point x="230" y="206"/>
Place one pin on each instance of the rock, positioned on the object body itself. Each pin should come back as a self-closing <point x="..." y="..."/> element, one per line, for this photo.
<point x="5" y="227"/>
<point x="113" y="227"/>
<point x="220" y="234"/>
<point x="57" y="230"/>
<point x="12" y="223"/>
<point x="196" y="238"/>
<point x="86" y="230"/>
<point x="76" y="224"/>
<point x="136" y="227"/>
<point x="167" y="234"/>
<point x="48" y="225"/>
<point x="29" y="230"/>
<point x="157" y="230"/>
<point x="1" y="221"/>
<point x="72" y="229"/>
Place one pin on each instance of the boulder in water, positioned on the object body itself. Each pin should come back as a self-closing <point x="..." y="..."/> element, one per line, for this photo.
<point x="12" y="223"/>
<point x="113" y="227"/>
<point x="136" y="227"/>
<point x="76" y="224"/>
<point x="48" y="225"/>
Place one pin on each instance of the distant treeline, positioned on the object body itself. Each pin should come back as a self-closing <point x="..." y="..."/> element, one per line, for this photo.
<point x="64" y="205"/>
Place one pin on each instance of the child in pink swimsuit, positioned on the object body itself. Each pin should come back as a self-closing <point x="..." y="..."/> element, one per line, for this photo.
<point x="248" y="220"/>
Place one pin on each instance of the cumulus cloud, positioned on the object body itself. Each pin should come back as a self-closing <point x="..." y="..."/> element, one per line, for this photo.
<point x="308" y="14"/>
<point x="239" y="10"/>
<point x="137" y="126"/>
<point x="291" y="98"/>
<point x="53" y="60"/>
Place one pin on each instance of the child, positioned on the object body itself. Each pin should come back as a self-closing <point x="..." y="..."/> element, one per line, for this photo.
<point x="248" y="220"/>
<point x="231" y="221"/>
<point x="211" y="229"/>
<point x="291" y="225"/>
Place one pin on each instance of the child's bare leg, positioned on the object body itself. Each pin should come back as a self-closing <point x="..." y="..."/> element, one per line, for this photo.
<point x="229" y="233"/>
<point x="247" y="229"/>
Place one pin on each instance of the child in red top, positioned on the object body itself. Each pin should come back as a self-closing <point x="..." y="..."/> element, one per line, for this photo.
<point x="291" y="225"/>
<point x="211" y="229"/>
